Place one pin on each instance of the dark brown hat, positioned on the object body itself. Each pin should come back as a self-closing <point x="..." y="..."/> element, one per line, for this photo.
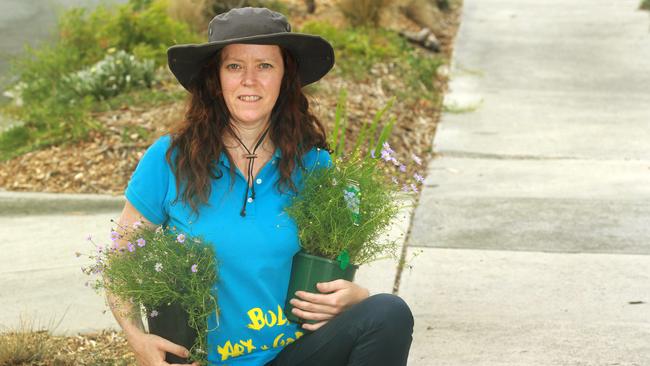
<point x="314" y="55"/>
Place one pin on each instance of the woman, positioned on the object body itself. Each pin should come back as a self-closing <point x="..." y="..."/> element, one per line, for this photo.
<point x="227" y="173"/>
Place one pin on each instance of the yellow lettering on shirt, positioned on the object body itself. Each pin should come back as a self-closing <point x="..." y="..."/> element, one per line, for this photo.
<point x="257" y="318"/>
<point x="280" y="341"/>
<point x="260" y="320"/>
<point x="228" y="350"/>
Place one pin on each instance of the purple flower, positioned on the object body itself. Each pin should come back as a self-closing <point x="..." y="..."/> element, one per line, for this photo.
<point x="141" y="242"/>
<point x="414" y="188"/>
<point x="130" y="247"/>
<point x="372" y="153"/>
<point x="137" y="224"/>
<point x="158" y="267"/>
<point x="153" y="314"/>
<point x="194" y="269"/>
<point x="180" y="238"/>
<point x="386" y="155"/>
<point x="418" y="177"/>
<point x="416" y="159"/>
<point x="402" y="168"/>
<point x="386" y="147"/>
<point x="114" y="235"/>
<point x="405" y="188"/>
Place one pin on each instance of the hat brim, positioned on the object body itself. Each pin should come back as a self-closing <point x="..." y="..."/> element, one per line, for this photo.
<point x="313" y="54"/>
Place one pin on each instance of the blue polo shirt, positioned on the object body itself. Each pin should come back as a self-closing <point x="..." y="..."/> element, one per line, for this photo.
<point x="254" y="253"/>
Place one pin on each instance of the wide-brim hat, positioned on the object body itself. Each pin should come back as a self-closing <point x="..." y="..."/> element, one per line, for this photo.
<point x="313" y="54"/>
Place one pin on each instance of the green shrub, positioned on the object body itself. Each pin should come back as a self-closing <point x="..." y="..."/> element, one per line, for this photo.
<point x="358" y="49"/>
<point x="645" y="5"/>
<point x="363" y="12"/>
<point x="116" y="73"/>
<point x="443" y="5"/>
<point x="220" y="6"/>
<point x="148" y="33"/>
<point x="51" y="80"/>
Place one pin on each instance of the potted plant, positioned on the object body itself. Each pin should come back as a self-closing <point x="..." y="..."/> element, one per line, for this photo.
<point x="342" y="212"/>
<point x="167" y="274"/>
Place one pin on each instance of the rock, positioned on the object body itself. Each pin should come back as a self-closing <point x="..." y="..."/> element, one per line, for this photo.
<point x="424" y="38"/>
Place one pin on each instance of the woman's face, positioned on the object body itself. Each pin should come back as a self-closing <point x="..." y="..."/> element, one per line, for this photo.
<point x="251" y="76"/>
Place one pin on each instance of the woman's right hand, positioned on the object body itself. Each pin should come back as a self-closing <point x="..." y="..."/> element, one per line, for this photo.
<point x="150" y="349"/>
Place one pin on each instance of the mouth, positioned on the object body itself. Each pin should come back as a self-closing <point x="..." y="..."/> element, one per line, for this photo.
<point x="249" y="98"/>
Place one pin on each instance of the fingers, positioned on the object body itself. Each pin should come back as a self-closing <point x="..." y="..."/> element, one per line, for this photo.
<point x="323" y="299"/>
<point x="332" y="286"/>
<point x="311" y="316"/>
<point x="174" y="348"/>
<point x="313" y="308"/>
<point x="313" y="327"/>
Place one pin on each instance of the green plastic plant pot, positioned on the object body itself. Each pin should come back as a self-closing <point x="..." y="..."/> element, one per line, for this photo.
<point x="171" y="323"/>
<point x="306" y="271"/>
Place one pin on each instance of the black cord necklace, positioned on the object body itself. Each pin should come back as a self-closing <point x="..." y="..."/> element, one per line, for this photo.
<point x="251" y="161"/>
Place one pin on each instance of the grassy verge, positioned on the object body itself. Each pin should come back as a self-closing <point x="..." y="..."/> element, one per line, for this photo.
<point x="40" y="348"/>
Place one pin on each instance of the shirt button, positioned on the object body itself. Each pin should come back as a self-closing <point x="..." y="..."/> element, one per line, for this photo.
<point x="250" y="200"/>
<point x="258" y="181"/>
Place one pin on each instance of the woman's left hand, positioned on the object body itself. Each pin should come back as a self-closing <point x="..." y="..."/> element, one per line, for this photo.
<point x="335" y="297"/>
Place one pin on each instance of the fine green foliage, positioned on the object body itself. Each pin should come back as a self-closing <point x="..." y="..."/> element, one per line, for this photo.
<point x="113" y="75"/>
<point x="161" y="266"/>
<point x="346" y="209"/>
<point x="363" y="12"/>
<point x="343" y="211"/>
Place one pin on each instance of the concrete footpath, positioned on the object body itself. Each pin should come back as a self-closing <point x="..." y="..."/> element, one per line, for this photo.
<point x="533" y="229"/>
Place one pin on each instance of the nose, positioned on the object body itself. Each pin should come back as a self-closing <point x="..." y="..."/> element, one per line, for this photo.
<point x="249" y="76"/>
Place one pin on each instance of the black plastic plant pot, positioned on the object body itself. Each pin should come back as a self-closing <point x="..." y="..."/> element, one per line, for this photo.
<point x="171" y="323"/>
<point x="306" y="271"/>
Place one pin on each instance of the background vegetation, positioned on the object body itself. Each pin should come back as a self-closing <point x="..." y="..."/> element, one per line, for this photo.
<point x="645" y="5"/>
<point x="63" y="84"/>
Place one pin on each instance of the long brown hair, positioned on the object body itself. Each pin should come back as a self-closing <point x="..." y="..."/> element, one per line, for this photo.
<point x="198" y="138"/>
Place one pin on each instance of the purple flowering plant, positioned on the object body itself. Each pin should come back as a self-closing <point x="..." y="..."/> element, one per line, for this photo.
<point x="344" y="211"/>
<point x="157" y="266"/>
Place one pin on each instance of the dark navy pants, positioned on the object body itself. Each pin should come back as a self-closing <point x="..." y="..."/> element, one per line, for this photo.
<point x="377" y="331"/>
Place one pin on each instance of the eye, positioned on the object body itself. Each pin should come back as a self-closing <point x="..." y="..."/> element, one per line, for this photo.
<point x="233" y="66"/>
<point x="266" y="65"/>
